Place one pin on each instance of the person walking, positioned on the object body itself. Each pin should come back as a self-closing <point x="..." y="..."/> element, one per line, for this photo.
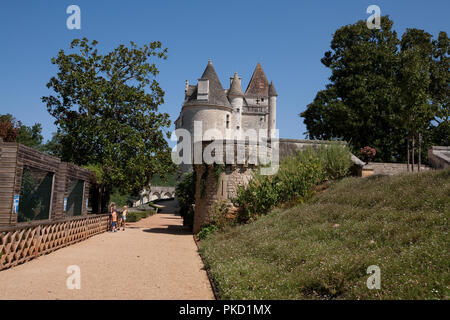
<point x="124" y="217"/>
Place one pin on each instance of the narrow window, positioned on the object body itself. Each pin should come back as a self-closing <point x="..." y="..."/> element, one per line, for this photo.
<point x="228" y="121"/>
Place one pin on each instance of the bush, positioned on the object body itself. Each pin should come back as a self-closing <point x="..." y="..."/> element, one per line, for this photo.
<point x="134" y="216"/>
<point x="185" y="193"/>
<point x="295" y="178"/>
<point x="206" y="230"/>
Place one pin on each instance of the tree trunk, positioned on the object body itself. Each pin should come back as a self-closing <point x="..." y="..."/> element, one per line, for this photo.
<point x="412" y="152"/>
<point x="100" y="199"/>
<point x="407" y="152"/>
<point x="420" y="151"/>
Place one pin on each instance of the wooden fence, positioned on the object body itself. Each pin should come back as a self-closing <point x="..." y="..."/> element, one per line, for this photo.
<point x="21" y="243"/>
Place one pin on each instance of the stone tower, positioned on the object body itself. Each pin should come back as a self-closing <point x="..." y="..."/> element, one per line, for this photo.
<point x="229" y="112"/>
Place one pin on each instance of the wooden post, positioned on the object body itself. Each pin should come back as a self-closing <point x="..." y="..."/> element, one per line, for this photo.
<point x="38" y="241"/>
<point x="85" y="228"/>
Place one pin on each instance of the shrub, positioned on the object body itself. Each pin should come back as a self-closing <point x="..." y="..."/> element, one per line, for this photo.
<point x="206" y="230"/>
<point x="218" y="214"/>
<point x="367" y="153"/>
<point x="294" y="179"/>
<point x="134" y="216"/>
<point x="185" y="193"/>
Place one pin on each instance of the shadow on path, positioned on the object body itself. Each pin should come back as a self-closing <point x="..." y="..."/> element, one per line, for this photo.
<point x="171" y="229"/>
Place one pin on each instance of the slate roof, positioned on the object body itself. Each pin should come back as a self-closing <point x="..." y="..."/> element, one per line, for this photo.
<point x="235" y="88"/>
<point x="272" y="91"/>
<point x="258" y="86"/>
<point x="216" y="95"/>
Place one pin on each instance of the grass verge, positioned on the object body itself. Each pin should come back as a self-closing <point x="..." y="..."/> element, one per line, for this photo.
<point x="322" y="249"/>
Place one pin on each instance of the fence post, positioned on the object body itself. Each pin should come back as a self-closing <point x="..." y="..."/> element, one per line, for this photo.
<point x="38" y="241"/>
<point x="86" y="228"/>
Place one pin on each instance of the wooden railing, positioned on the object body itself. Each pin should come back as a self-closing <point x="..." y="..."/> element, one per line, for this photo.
<point x="21" y="243"/>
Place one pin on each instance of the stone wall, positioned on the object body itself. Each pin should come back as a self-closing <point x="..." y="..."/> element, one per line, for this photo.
<point x="439" y="157"/>
<point x="220" y="181"/>
<point x="211" y="187"/>
<point x="391" y="168"/>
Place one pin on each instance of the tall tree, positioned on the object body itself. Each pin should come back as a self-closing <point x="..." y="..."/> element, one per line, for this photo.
<point x="106" y="110"/>
<point x="440" y="91"/>
<point x="383" y="90"/>
<point x="414" y="81"/>
<point x="360" y="104"/>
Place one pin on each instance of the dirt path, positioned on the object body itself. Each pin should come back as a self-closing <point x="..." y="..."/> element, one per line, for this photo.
<point x="155" y="258"/>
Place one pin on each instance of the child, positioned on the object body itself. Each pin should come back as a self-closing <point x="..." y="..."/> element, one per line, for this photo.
<point x="112" y="207"/>
<point x="114" y="219"/>
<point x="124" y="217"/>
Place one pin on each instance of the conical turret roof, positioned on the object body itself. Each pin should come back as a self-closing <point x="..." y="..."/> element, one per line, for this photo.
<point x="235" y="88"/>
<point x="216" y="95"/>
<point x="272" y="91"/>
<point x="258" y="86"/>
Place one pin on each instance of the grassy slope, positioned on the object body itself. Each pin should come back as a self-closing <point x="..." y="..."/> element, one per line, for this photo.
<point x="322" y="249"/>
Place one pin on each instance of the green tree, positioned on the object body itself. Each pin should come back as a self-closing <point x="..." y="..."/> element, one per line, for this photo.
<point x="440" y="91"/>
<point x="414" y="81"/>
<point x="383" y="90"/>
<point x="106" y="110"/>
<point x="29" y="136"/>
<point x="54" y="145"/>
<point x="360" y="104"/>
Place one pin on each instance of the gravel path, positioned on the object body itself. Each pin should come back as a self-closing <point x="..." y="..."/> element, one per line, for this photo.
<point x="155" y="258"/>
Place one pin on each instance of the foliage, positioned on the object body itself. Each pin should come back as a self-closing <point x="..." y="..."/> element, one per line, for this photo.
<point x="218" y="214"/>
<point x="321" y="249"/>
<point x="53" y="146"/>
<point x="8" y="131"/>
<point x="12" y="130"/>
<point x="295" y="177"/>
<point x="121" y="199"/>
<point x="134" y="216"/>
<point x="206" y="231"/>
<point x="163" y="181"/>
<point x="382" y="89"/>
<point x="185" y="193"/>
<point x="106" y="117"/>
<point x="367" y="153"/>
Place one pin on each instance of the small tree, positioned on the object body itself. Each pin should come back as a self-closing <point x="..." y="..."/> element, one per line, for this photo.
<point x="368" y="153"/>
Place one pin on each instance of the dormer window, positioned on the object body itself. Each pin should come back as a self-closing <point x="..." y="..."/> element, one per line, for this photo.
<point x="203" y="89"/>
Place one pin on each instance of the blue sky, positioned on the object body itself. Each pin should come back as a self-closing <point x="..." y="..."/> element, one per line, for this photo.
<point x="288" y="38"/>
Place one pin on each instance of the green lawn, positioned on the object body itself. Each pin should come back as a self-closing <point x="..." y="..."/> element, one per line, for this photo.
<point x="321" y="249"/>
